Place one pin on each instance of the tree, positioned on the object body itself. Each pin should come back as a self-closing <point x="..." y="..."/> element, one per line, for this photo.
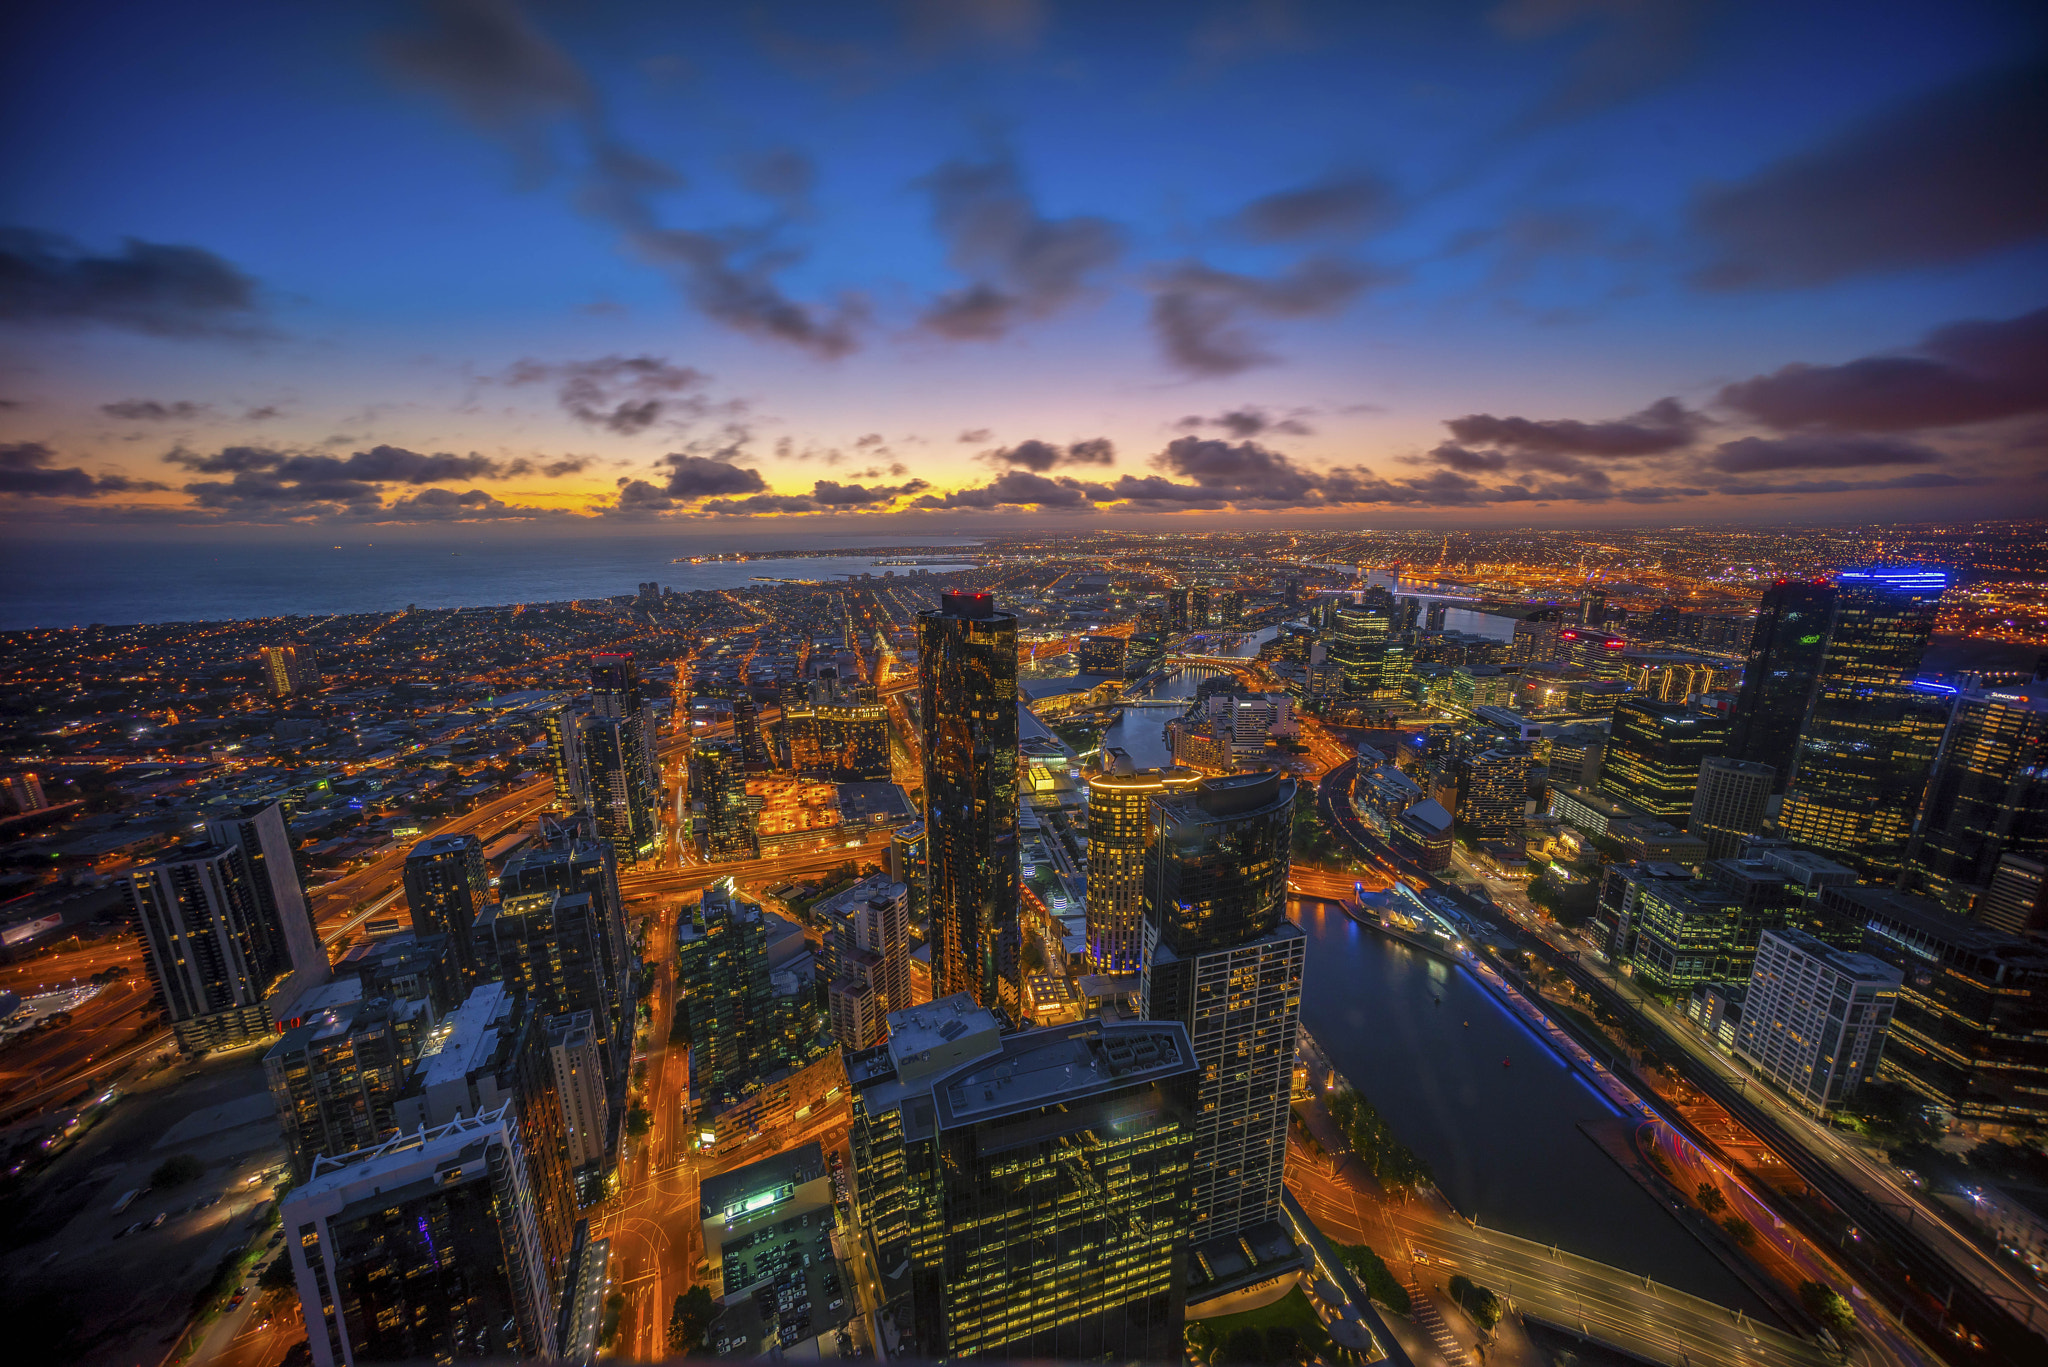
<point x="1242" y="1345"/>
<point x="1739" y="1230"/>
<point x="177" y="1171"/>
<point x="1710" y="1198"/>
<point x="1823" y="1304"/>
<point x="278" y="1276"/>
<point x="638" y="1121"/>
<point x="1371" y="1271"/>
<point x="1481" y="1304"/>
<point x="693" y="1314"/>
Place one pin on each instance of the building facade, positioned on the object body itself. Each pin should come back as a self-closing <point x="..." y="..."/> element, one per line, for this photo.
<point x="1653" y="758"/>
<point x="1119" y="843"/>
<point x="1814" y="1018"/>
<point x="220" y="964"/>
<point x="446" y="888"/>
<point x="1730" y="804"/>
<point x="1786" y="647"/>
<point x="1988" y="796"/>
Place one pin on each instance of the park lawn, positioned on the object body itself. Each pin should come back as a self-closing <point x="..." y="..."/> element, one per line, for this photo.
<point x="1292" y="1310"/>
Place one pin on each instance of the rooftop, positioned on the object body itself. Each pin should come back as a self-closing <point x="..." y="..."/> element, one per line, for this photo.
<point x="1037" y="1068"/>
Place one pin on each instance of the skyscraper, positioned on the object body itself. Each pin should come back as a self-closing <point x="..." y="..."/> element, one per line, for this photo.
<point x="1653" y="757"/>
<point x="1815" y="1017"/>
<point x="1177" y="608"/>
<point x="1357" y="641"/>
<point x="866" y="957"/>
<point x="1870" y="737"/>
<point x="746" y="730"/>
<point x="446" y="888"/>
<point x="565" y="758"/>
<point x="550" y="949"/>
<point x="266" y="845"/>
<point x="1730" y="803"/>
<point x="968" y="694"/>
<point x="838" y="731"/>
<point x="1785" y="652"/>
<point x="2017" y="900"/>
<point x="619" y="787"/>
<point x="722" y="975"/>
<point x="1199" y="615"/>
<point x="219" y="962"/>
<point x="1119" y="844"/>
<point x="718" y="785"/>
<point x="1222" y="959"/>
<point x="22" y="793"/>
<point x="1034" y="1184"/>
<point x="290" y="671"/>
<point x="334" y="1078"/>
<point x="568" y="863"/>
<point x="1988" y="796"/>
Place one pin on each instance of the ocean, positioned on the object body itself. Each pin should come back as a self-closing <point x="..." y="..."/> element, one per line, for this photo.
<point x="59" y="583"/>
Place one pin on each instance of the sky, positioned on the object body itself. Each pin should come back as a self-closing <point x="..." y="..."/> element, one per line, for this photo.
<point x="962" y="265"/>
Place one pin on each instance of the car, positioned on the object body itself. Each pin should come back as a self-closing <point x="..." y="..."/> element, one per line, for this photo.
<point x="836" y="1304"/>
<point x="130" y="1230"/>
<point x="1418" y="1255"/>
<point x="161" y="1216"/>
<point x="236" y="1301"/>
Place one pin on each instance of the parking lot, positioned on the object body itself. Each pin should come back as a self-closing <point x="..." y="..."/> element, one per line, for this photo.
<point x="796" y="1291"/>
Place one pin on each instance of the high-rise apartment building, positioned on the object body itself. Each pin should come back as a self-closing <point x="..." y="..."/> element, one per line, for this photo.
<point x="549" y="949"/>
<point x="866" y="958"/>
<point x="1231" y="607"/>
<point x="1200" y="618"/>
<point x="1493" y="790"/>
<point x="619" y="787"/>
<point x="1177" y="608"/>
<point x="967" y="653"/>
<point x="266" y="845"/>
<point x="1814" y="1018"/>
<point x="838" y="731"/>
<point x="567" y="862"/>
<point x="565" y="758"/>
<point x="1971" y="1011"/>
<point x="1654" y="754"/>
<point x="1119" y="846"/>
<point x="223" y="968"/>
<point x="1870" y="737"/>
<point x="576" y="1054"/>
<point x="335" y="1077"/>
<point x="718" y="786"/>
<point x="22" y="792"/>
<point x="1730" y="803"/>
<point x="746" y="731"/>
<point x="1988" y="796"/>
<point x="907" y="866"/>
<point x="425" y="1248"/>
<point x="447" y="886"/>
<point x="722" y="977"/>
<point x="1786" y="648"/>
<point x="1035" y="1184"/>
<point x="290" y="671"/>
<point x="1222" y="959"/>
<point x="1099" y="654"/>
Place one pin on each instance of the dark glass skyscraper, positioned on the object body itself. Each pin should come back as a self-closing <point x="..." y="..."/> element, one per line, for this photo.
<point x="968" y="690"/>
<point x="1785" y="651"/>
<point x="621" y="764"/>
<point x="1221" y="957"/>
<point x="1870" y="737"/>
<point x="718" y="785"/>
<point x="1357" y="645"/>
<point x="1653" y="758"/>
<point x="446" y="888"/>
<point x="1988" y="797"/>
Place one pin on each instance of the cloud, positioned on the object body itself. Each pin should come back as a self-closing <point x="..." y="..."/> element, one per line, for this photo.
<point x="1931" y="480"/>
<point x="378" y="465"/>
<point x="1197" y="309"/>
<point x="832" y="495"/>
<point x="1943" y="177"/>
<point x="553" y="469"/>
<point x="1964" y="373"/>
<point x="509" y="79"/>
<point x="149" y="410"/>
<point x="1753" y="454"/>
<point x="639" y="496"/>
<point x="1021" y="264"/>
<point x="1455" y="457"/>
<point x="1343" y="207"/>
<point x="621" y="394"/>
<point x="1044" y="455"/>
<point x="1664" y="426"/>
<point x="447" y="505"/>
<point x="1632" y="46"/>
<point x="975" y="434"/>
<point x="693" y="477"/>
<point x="1015" y="488"/>
<point x="785" y="175"/>
<point x="148" y="287"/>
<point x="28" y="469"/>
<point x="1249" y="421"/>
<point x="262" y="414"/>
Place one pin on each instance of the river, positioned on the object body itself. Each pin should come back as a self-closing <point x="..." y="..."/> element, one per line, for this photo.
<point x="1140" y="730"/>
<point x="1502" y="1142"/>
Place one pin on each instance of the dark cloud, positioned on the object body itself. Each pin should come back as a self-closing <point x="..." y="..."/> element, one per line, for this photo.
<point x="149" y="410"/>
<point x="639" y="496"/>
<point x="378" y="465"/>
<point x="785" y="175"/>
<point x="553" y="469"/>
<point x="263" y="414"/>
<point x="1628" y="47"/>
<point x="1964" y="373"/>
<point x="511" y="80"/>
<point x="1044" y="455"/>
<point x="1930" y="480"/>
<point x="148" y="287"/>
<point x="447" y="505"/>
<point x="831" y="495"/>
<point x="1015" y="488"/>
<point x="975" y="434"/>
<point x="1664" y="426"/>
<point x="1245" y="470"/>
<point x="1344" y="207"/>
<point x="1943" y="177"/>
<point x="761" y="503"/>
<point x="1249" y="421"/>
<point x="1197" y="309"/>
<point x="28" y="469"/>
<point x="1021" y="265"/>
<point x="1455" y="457"/>
<point x="622" y="394"/>
<point x="691" y="477"/>
<point x="1752" y="455"/>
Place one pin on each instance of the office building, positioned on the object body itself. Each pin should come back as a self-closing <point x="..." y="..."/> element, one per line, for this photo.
<point x="718" y="789"/>
<point x="866" y="958"/>
<point x="223" y="969"/>
<point x="1988" y="796"/>
<point x="1222" y="959"/>
<point x="1686" y="935"/>
<point x="619" y="786"/>
<point x="1177" y="608"/>
<point x="1357" y="641"/>
<point x="2017" y="900"/>
<point x="1666" y="677"/>
<point x="1972" y="1011"/>
<point x="566" y="861"/>
<point x="22" y="793"/>
<point x="335" y="1076"/>
<point x="446" y="888"/>
<point x="565" y="758"/>
<point x="290" y="671"/>
<point x="1200" y="618"/>
<point x="576" y="1055"/>
<point x="259" y="832"/>
<point x="1575" y="754"/>
<point x="1730" y="803"/>
<point x="1786" y="647"/>
<point x="1231" y="607"/>
<point x="1592" y="608"/>
<point x="1598" y="653"/>
<point x="967" y="653"/>
<point x="1814" y="1018"/>
<point x="1654" y="755"/>
<point x="746" y="732"/>
<point x="1773" y="888"/>
<point x="1617" y="909"/>
<point x="1494" y="791"/>
<point x="1098" y="654"/>
<point x="425" y="1248"/>
<point x="981" y="1163"/>
<point x="907" y="866"/>
<point x="1870" y="738"/>
<point x="837" y="731"/>
<point x="548" y="948"/>
<point x="1119" y="844"/>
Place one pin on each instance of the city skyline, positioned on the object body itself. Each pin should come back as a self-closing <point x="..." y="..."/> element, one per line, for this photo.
<point x="929" y="269"/>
